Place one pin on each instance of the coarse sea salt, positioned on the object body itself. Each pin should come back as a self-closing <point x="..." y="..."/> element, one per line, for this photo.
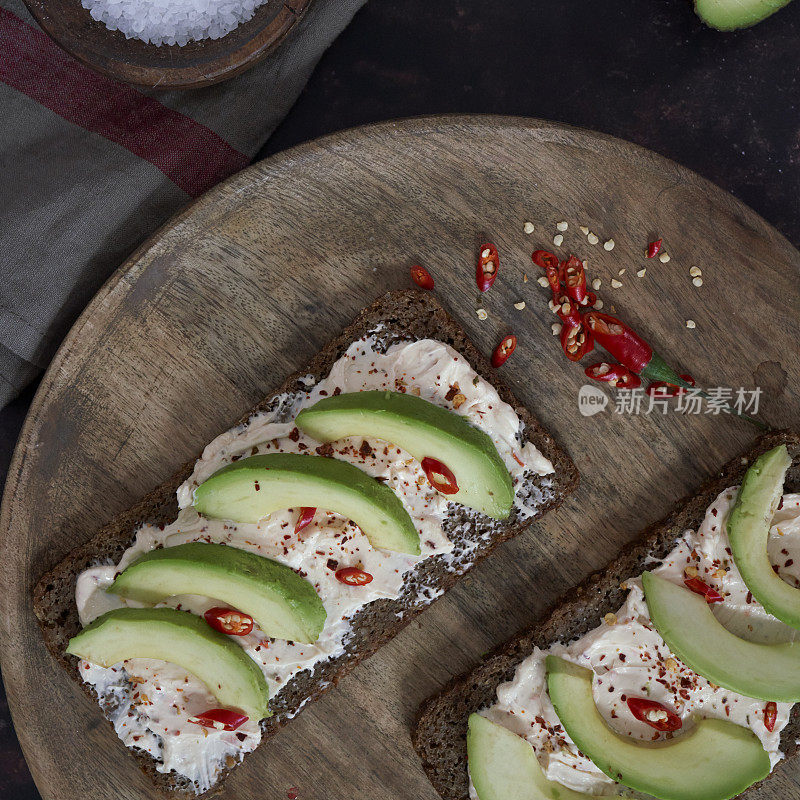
<point x="172" y="21"/>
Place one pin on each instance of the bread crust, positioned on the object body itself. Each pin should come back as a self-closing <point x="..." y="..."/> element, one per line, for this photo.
<point x="403" y="315"/>
<point x="439" y="735"/>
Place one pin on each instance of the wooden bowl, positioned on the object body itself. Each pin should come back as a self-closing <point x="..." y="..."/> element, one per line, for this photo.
<point x="192" y="65"/>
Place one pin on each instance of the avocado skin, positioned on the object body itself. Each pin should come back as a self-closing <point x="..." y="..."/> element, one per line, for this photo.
<point x="244" y="567"/>
<point x="175" y="625"/>
<point x="731" y="15"/>
<point x="423" y="422"/>
<point x="328" y="474"/>
<point x="673" y="769"/>
<point x="748" y="531"/>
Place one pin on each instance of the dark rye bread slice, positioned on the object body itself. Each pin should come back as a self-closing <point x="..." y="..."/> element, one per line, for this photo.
<point x="440" y="732"/>
<point x="401" y="315"/>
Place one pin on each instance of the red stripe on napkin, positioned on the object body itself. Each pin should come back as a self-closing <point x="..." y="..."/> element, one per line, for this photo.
<point x="188" y="153"/>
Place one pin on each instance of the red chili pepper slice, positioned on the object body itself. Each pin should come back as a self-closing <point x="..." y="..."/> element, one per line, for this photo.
<point x="654" y="248"/>
<point x="574" y="278"/>
<point x="440" y="475"/>
<point x="229" y="620"/>
<point x="589" y="300"/>
<point x="488" y="266"/>
<point x="770" y="715"/>
<point x="221" y="719"/>
<point x="421" y="277"/>
<point x="615" y="374"/>
<point x="576" y="338"/>
<point x="504" y="350"/>
<point x="654" y="714"/>
<point x="664" y="389"/>
<point x="305" y="519"/>
<point x="546" y="260"/>
<point x="699" y="587"/>
<point x="353" y="576"/>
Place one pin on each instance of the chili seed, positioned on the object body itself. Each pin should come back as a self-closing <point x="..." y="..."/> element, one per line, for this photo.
<point x="610" y="619"/>
<point x="615" y="284"/>
<point x="695" y="272"/>
<point x="481" y="312"/>
<point x="519" y="306"/>
<point x="593" y="238"/>
<point x="641" y="272"/>
<point x="584" y="230"/>
<point x="609" y="245"/>
<point x="596" y="284"/>
<point x="528" y="227"/>
<point x="561" y="226"/>
<point x="690" y="323"/>
<point x="543" y="282"/>
<point x="697" y="281"/>
<point x="663" y="258"/>
<point x="558" y="240"/>
<point x="556" y="328"/>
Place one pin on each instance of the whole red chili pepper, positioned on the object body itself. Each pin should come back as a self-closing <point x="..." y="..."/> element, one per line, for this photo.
<point x="770" y="715"/>
<point x="488" y="266"/>
<point x="663" y="389"/>
<point x="504" y="350"/>
<point x="654" y="248"/>
<point x="576" y="339"/>
<point x="615" y="374"/>
<point x="574" y="278"/>
<point x="699" y="587"/>
<point x="654" y="714"/>
<point x="421" y="277"/>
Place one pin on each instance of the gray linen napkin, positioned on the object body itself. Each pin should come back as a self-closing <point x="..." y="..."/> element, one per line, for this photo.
<point x="89" y="167"/>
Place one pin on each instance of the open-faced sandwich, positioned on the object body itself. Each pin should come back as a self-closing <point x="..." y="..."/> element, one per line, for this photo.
<point x="302" y="539"/>
<point x="674" y="672"/>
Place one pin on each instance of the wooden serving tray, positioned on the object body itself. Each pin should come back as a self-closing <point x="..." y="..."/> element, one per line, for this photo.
<point x="247" y="283"/>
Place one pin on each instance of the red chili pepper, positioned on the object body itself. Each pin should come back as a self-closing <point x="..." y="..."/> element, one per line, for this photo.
<point x="654" y="714"/>
<point x="699" y="587"/>
<point x="576" y="338"/>
<point x="615" y="374"/>
<point x="770" y="715"/>
<point x="630" y="349"/>
<point x="504" y="350"/>
<point x="574" y="278"/>
<point x="421" y="277"/>
<point x="546" y="260"/>
<point x="353" y="576"/>
<point x="440" y="475"/>
<point x="589" y="300"/>
<point x="305" y="518"/>
<point x="222" y="719"/>
<point x="228" y="620"/>
<point x="488" y="266"/>
<point x="654" y="248"/>
<point x="664" y="389"/>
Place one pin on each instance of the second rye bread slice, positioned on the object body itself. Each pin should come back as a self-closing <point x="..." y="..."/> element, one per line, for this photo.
<point x="397" y="316"/>
<point x="440" y="732"/>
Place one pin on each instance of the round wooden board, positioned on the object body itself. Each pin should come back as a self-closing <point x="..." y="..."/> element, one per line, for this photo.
<point x="244" y="286"/>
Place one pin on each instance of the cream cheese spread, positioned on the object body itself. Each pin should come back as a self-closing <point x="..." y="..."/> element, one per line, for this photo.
<point x="629" y="658"/>
<point x="150" y="702"/>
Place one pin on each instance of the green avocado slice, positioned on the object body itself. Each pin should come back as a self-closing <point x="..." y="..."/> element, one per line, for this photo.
<point x="503" y="766"/>
<point x="422" y="429"/>
<point x="716" y="760"/>
<point x="728" y="15"/>
<point x="685" y="622"/>
<point x="250" y="489"/>
<point x="180" y="638"/>
<point x="748" y="531"/>
<point x="284" y="605"/>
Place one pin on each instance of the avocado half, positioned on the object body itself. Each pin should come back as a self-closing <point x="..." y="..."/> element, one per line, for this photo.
<point x="686" y="623"/>
<point x="749" y="523"/>
<point x="503" y="766"/>
<point x="729" y="15"/>
<point x="180" y="638"/>
<point x="422" y="429"/>
<point x="716" y="760"/>
<point x="250" y="489"/>
<point x="284" y="605"/>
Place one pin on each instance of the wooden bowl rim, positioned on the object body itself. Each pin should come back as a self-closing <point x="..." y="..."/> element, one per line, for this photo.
<point x="197" y="74"/>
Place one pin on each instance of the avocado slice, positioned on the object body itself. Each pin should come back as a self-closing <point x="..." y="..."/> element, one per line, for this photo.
<point x="284" y="605"/>
<point x="422" y="429"/>
<point x="729" y="15"/>
<point x="180" y="638"/>
<point x="716" y="760"/>
<point x="503" y="766"/>
<point x="685" y="622"/>
<point x="748" y="531"/>
<point x="249" y="489"/>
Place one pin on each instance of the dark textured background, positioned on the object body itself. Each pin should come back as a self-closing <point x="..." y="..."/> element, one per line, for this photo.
<point x="725" y="105"/>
